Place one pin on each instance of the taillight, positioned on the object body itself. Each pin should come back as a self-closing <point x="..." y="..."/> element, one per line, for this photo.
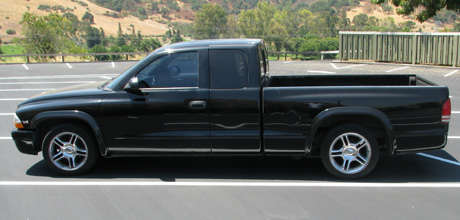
<point x="446" y="111"/>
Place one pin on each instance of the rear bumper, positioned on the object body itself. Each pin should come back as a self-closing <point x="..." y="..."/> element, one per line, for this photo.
<point x="420" y="143"/>
<point x="24" y="140"/>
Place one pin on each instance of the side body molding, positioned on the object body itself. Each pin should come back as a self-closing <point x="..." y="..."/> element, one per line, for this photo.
<point x="72" y="114"/>
<point x="341" y="114"/>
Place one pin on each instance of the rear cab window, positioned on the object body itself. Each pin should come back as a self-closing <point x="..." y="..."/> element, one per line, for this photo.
<point x="229" y="69"/>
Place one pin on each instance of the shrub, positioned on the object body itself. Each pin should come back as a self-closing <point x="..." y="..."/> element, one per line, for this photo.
<point x="11" y="32"/>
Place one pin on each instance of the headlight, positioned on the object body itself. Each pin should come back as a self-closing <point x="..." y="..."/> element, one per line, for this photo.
<point x="17" y="122"/>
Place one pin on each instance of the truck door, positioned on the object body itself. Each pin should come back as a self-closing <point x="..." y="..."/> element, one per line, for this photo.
<point x="234" y="103"/>
<point x="170" y="113"/>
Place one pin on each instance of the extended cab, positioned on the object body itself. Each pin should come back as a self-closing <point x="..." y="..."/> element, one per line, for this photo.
<point x="216" y="97"/>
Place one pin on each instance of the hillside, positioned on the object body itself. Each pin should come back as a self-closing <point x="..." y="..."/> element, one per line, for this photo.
<point x="11" y="12"/>
<point x="151" y="17"/>
<point x="377" y="12"/>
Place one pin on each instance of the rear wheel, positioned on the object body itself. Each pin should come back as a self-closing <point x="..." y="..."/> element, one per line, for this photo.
<point x="349" y="151"/>
<point x="70" y="150"/>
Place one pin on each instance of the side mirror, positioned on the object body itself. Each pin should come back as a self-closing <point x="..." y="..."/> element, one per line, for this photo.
<point x="133" y="85"/>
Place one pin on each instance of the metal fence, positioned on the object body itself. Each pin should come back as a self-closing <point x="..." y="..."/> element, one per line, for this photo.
<point x="284" y="53"/>
<point x="28" y="58"/>
<point x="415" y="48"/>
<point x="89" y="57"/>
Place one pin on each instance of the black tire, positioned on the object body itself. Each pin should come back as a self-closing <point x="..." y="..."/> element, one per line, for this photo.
<point x="70" y="150"/>
<point x="349" y="151"/>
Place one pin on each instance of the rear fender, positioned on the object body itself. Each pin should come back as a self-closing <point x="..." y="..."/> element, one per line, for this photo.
<point x="333" y="116"/>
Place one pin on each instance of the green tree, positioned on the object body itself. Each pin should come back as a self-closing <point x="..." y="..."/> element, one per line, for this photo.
<point x="387" y="8"/>
<point x="46" y="35"/>
<point x="177" y="38"/>
<point x="75" y="22"/>
<point x="324" y="24"/>
<point x="104" y="40"/>
<point x="115" y="49"/>
<point x="120" y="40"/>
<point x="360" y="21"/>
<point x="457" y="27"/>
<point x="100" y="49"/>
<point x="315" y="43"/>
<point x="278" y="31"/>
<point x="408" y="26"/>
<point x="92" y="36"/>
<point x="256" y="23"/>
<point x="344" y="22"/>
<point x="88" y="17"/>
<point x="149" y="45"/>
<point x="304" y="17"/>
<point x="141" y="11"/>
<point x="429" y="7"/>
<point x="210" y="22"/>
<point x="232" y="26"/>
<point x="320" y="6"/>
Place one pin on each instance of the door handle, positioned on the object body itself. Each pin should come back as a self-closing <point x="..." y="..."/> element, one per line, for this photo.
<point x="197" y="105"/>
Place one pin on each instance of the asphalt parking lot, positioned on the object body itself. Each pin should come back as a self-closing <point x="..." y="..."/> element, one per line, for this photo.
<point x="417" y="186"/>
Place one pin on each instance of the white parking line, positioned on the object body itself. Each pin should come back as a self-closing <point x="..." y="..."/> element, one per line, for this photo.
<point x="388" y="71"/>
<point x="455" y="112"/>
<point x="451" y="73"/>
<point x="70" y="67"/>
<point x="23" y="90"/>
<point x="345" y="67"/>
<point x="6" y="138"/>
<point x="14" y="99"/>
<point x="70" y="82"/>
<point x="25" y="66"/>
<point x="313" y="71"/>
<point x="113" y="64"/>
<point x="231" y="184"/>
<point x="454" y="137"/>
<point x="58" y="76"/>
<point x="439" y="158"/>
<point x="6" y="114"/>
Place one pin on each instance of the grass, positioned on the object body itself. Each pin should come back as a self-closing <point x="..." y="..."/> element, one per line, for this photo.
<point x="12" y="49"/>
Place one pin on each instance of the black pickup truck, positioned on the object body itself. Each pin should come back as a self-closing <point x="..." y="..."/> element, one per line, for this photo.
<point x="216" y="97"/>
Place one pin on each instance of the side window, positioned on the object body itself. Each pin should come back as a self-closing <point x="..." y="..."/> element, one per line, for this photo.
<point x="172" y="70"/>
<point x="229" y="69"/>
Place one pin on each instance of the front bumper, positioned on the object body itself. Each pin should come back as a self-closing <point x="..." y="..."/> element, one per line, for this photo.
<point x="24" y="140"/>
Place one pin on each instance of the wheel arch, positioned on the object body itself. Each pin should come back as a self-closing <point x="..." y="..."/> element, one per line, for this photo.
<point x="44" y="121"/>
<point x="374" y="119"/>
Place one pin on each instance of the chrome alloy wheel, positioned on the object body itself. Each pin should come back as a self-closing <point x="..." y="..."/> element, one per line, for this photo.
<point x="350" y="153"/>
<point x="68" y="151"/>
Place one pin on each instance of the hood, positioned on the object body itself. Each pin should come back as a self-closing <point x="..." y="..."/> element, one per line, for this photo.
<point x="87" y="86"/>
<point x="90" y="89"/>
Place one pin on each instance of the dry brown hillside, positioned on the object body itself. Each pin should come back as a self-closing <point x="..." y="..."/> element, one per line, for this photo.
<point x="365" y="7"/>
<point x="11" y="12"/>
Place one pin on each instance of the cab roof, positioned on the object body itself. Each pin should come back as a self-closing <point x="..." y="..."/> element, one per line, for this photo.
<point x="207" y="43"/>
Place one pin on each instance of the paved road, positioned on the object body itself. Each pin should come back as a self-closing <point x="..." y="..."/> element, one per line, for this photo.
<point x="419" y="186"/>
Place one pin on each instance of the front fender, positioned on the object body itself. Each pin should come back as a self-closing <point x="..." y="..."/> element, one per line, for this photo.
<point x="341" y="113"/>
<point x="72" y="114"/>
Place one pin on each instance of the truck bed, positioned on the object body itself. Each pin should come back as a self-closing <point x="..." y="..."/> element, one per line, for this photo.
<point x="412" y="104"/>
<point x="348" y="80"/>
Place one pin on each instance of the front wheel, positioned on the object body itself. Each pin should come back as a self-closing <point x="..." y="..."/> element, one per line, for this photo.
<point x="69" y="150"/>
<point x="349" y="151"/>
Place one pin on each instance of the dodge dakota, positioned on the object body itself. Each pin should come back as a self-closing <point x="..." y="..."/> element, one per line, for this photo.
<point x="218" y="98"/>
